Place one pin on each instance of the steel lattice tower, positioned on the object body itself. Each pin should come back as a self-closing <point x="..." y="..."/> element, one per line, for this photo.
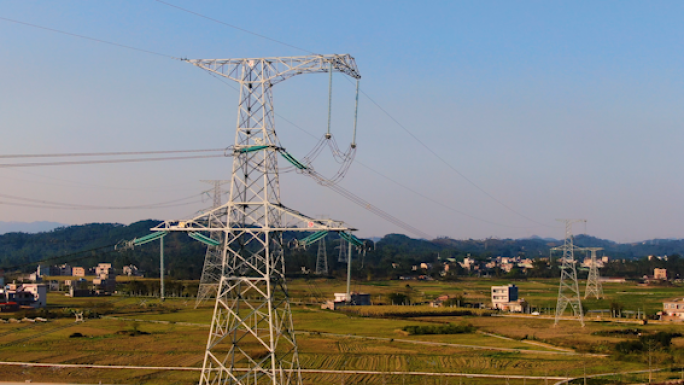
<point x="252" y="339"/>
<point x="594" y="287"/>
<point x="568" y="291"/>
<point x="343" y="251"/>
<point x="211" y="271"/>
<point x="322" y="258"/>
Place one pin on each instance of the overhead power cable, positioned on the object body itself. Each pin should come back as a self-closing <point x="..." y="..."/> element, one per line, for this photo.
<point x="87" y="38"/>
<point x="267" y="38"/>
<point x="92" y="185"/>
<point x="433" y="152"/>
<point x="482" y="190"/>
<point x="118" y="153"/>
<point x="376" y="210"/>
<point x="233" y="26"/>
<point x="107" y="161"/>
<point x="440" y="203"/>
<point x="408" y="188"/>
<point x="172" y="203"/>
<point x="38" y="206"/>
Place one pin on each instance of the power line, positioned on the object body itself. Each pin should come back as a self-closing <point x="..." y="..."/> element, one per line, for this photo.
<point x="106" y="161"/>
<point x="406" y="187"/>
<point x="440" y="203"/>
<point x="482" y="190"/>
<point x="376" y="210"/>
<point x="37" y="206"/>
<point x="264" y="37"/>
<point x="117" y="153"/>
<point x="449" y="165"/>
<point x="234" y="27"/>
<point x="88" y="38"/>
<point x="171" y="203"/>
<point x="91" y="185"/>
<point x="346" y="193"/>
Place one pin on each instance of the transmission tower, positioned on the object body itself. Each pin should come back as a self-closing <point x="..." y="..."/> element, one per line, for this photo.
<point x="594" y="287"/>
<point x="322" y="258"/>
<point x="568" y="291"/>
<point x="343" y="251"/>
<point x="252" y="340"/>
<point x="211" y="271"/>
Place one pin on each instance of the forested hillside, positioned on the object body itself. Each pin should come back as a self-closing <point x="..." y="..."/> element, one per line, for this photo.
<point x="184" y="256"/>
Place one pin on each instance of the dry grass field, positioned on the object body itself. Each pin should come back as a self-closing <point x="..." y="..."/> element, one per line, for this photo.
<point x="173" y="334"/>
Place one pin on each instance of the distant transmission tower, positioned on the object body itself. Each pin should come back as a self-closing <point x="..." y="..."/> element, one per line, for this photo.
<point x="568" y="291"/>
<point x="343" y="251"/>
<point x="594" y="287"/>
<point x="322" y="258"/>
<point x="213" y="261"/>
<point x="252" y="339"/>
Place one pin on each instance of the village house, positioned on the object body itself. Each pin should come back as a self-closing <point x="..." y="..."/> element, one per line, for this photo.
<point x="357" y="299"/>
<point x="106" y="278"/>
<point x="660" y="274"/>
<point x="131" y="271"/>
<point x="506" y="298"/>
<point x="673" y="310"/>
<point x="31" y="295"/>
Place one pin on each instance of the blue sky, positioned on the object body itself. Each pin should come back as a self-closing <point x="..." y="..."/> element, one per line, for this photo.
<point x="556" y="109"/>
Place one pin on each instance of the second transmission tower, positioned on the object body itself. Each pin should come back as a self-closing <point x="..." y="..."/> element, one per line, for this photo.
<point x="342" y="258"/>
<point x="322" y="258"/>
<point x="568" y="290"/>
<point x="211" y="271"/>
<point x="594" y="287"/>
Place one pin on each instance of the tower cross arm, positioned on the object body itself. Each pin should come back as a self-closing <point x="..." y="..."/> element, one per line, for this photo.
<point x="278" y="69"/>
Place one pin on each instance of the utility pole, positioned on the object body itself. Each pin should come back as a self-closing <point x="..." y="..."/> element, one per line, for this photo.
<point x="568" y="290"/>
<point x="349" y="261"/>
<point x="161" y="269"/>
<point x="594" y="287"/>
<point x="213" y="259"/>
<point x="252" y="306"/>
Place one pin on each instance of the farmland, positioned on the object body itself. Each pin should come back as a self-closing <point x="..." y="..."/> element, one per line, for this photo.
<point x="130" y="331"/>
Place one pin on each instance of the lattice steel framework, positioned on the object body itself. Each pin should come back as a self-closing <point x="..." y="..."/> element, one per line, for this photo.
<point x="213" y="262"/>
<point x="252" y="340"/>
<point x="322" y="258"/>
<point x="568" y="291"/>
<point x="342" y="257"/>
<point x="594" y="287"/>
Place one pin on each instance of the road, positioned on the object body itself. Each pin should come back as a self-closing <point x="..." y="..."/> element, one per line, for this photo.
<point x="324" y="371"/>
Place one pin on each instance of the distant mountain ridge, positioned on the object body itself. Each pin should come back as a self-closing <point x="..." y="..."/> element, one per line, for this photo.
<point x="29" y="227"/>
<point x="89" y="244"/>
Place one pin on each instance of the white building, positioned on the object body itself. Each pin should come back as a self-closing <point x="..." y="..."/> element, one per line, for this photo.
<point x="506" y="298"/>
<point x="673" y="310"/>
<point x="33" y="295"/>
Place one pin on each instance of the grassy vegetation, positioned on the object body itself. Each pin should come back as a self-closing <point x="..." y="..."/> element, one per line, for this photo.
<point x="369" y="338"/>
<point x="395" y="311"/>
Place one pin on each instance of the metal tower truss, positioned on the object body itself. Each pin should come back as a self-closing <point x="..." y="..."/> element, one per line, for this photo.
<point x="322" y="258"/>
<point x="252" y="339"/>
<point x="594" y="287"/>
<point x="568" y="291"/>
<point x="211" y="271"/>
<point x="342" y="258"/>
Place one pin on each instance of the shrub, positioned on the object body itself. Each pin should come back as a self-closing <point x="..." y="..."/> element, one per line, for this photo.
<point x="439" y="329"/>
